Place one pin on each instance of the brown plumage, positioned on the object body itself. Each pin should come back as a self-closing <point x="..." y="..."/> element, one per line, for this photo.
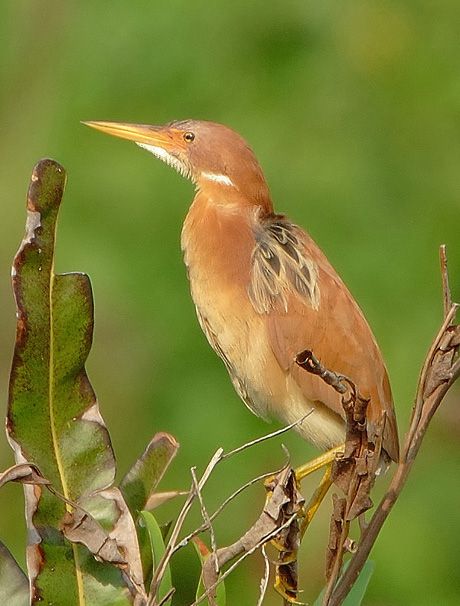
<point x="263" y="289"/>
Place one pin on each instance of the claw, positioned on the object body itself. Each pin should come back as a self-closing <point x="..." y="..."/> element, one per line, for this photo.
<point x="287" y="558"/>
<point x="286" y="593"/>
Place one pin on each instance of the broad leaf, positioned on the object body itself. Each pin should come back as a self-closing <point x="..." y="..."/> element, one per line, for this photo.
<point x="142" y="479"/>
<point x="14" y="586"/>
<point x="53" y="417"/>
<point x="139" y="484"/>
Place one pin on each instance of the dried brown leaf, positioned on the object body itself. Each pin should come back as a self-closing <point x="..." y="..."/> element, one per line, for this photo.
<point x="80" y="527"/>
<point x="160" y="498"/>
<point x="335" y="531"/>
<point x="24" y="473"/>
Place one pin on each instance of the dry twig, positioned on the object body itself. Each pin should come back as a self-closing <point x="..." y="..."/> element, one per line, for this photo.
<point x="440" y="370"/>
<point x="266" y="577"/>
<point x="174" y="544"/>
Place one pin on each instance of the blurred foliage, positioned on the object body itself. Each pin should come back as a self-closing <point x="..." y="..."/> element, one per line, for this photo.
<point x="354" y="112"/>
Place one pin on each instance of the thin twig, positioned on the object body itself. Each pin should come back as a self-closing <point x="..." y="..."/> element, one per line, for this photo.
<point x="419" y="399"/>
<point x="186" y="540"/>
<point x="265" y="578"/>
<point x="168" y="596"/>
<point x="163" y="563"/>
<point x="207" y="521"/>
<point x="267" y="436"/>
<point x="231" y="568"/>
<point x="447" y="299"/>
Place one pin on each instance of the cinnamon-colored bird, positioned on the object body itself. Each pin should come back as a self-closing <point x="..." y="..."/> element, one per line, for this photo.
<point x="263" y="290"/>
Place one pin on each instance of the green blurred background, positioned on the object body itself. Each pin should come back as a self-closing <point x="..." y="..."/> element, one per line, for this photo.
<point x="353" y="111"/>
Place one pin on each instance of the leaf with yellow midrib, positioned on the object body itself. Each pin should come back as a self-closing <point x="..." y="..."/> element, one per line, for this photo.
<point x="53" y="417"/>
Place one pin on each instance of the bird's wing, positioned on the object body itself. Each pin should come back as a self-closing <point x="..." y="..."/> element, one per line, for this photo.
<point x="307" y="306"/>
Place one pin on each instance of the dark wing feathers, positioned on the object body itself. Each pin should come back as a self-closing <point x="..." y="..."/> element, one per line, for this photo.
<point x="279" y="267"/>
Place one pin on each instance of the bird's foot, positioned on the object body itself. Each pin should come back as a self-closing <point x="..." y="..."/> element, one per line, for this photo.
<point x="286" y="573"/>
<point x="319" y="462"/>
<point x="288" y="594"/>
<point x="294" y="517"/>
<point x="285" y="504"/>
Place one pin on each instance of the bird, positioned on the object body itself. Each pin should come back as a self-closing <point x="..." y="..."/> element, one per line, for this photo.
<point x="264" y="291"/>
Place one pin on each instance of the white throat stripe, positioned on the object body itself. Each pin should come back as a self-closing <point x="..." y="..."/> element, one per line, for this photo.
<point x="159" y="152"/>
<point x="171" y="160"/>
<point x="223" y="179"/>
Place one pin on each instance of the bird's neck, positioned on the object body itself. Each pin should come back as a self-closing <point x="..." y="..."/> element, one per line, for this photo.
<point x="218" y="235"/>
<point x="241" y="189"/>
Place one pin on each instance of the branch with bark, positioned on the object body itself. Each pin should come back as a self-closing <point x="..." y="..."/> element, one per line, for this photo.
<point x="356" y="471"/>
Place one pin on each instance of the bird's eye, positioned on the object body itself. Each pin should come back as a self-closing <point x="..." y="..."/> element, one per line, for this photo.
<point x="189" y="137"/>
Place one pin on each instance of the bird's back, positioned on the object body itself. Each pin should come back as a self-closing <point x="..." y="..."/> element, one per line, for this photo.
<point x="316" y="311"/>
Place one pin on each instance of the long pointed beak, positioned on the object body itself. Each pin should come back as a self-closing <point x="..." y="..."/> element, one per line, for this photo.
<point x="158" y="136"/>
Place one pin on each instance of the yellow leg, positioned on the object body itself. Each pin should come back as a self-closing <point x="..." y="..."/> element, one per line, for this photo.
<point x="283" y="587"/>
<point x="316" y="499"/>
<point x="325" y="459"/>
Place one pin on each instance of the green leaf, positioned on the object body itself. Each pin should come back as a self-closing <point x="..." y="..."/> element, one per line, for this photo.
<point x="53" y="417"/>
<point x="358" y="591"/>
<point x="143" y="477"/>
<point x="139" y="484"/>
<point x="157" y="549"/>
<point x="14" y="586"/>
<point x="203" y="553"/>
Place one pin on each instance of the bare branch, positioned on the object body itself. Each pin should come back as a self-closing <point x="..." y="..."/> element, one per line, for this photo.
<point x="163" y="563"/>
<point x="440" y="370"/>
<point x="447" y="299"/>
<point x="195" y="492"/>
<point x="263" y="540"/>
<point x="266" y="577"/>
<point x="309" y="362"/>
<point x="207" y="522"/>
<point x="222" y="506"/>
<point x="268" y="436"/>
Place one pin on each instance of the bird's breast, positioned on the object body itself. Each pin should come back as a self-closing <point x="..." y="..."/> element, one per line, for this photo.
<point x="218" y="243"/>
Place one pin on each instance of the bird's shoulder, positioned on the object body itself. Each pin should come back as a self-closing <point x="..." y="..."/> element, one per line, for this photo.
<point x="305" y="302"/>
<point x="287" y="265"/>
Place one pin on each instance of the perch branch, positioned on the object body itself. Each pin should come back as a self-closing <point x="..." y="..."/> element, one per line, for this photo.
<point x="440" y="370"/>
<point x="355" y="472"/>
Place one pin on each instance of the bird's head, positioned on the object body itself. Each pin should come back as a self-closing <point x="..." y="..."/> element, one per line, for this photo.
<point x="209" y="154"/>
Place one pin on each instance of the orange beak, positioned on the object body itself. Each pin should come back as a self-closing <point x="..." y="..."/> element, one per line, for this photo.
<point x="164" y="137"/>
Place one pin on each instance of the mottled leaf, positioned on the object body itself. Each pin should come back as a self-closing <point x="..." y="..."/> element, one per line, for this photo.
<point x="53" y="417"/>
<point x="203" y="553"/>
<point x="157" y="551"/>
<point x="140" y="482"/>
<point x="14" y="586"/>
